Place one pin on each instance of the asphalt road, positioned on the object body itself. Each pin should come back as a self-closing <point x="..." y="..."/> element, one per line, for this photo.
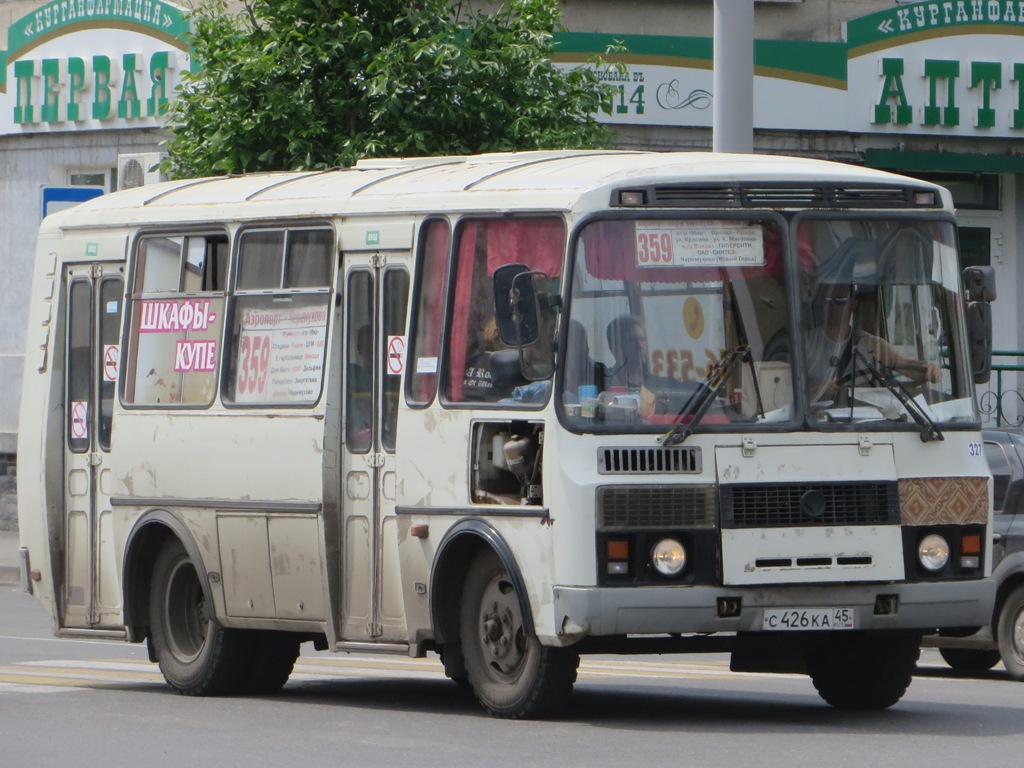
<point x="94" y="703"/>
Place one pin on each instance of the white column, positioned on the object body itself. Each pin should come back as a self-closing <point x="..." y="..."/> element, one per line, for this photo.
<point x="733" y="105"/>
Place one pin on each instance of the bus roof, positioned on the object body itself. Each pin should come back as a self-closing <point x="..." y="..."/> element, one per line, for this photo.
<point x="541" y="180"/>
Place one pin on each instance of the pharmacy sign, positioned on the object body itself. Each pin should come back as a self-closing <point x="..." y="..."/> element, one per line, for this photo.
<point x="74" y="65"/>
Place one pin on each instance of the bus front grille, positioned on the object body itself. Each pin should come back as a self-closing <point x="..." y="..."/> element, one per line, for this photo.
<point x="649" y="461"/>
<point x="631" y="507"/>
<point x="772" y="505"/>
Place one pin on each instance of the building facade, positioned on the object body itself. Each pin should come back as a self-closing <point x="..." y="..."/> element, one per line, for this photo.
<point x="930" y="89"/>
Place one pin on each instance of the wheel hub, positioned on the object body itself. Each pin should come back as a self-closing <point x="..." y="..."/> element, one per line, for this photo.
<point x="501" y="625"/>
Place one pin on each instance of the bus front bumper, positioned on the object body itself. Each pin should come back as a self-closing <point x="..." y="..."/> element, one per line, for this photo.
<point x="600" y="611"/>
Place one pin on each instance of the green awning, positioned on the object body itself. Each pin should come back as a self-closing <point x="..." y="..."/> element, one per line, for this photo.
<point x="894" y="160"/>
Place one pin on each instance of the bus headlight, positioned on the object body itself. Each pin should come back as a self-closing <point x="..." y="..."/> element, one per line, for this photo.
<point x="933" y="552"/>
<point x="668" y="557"/>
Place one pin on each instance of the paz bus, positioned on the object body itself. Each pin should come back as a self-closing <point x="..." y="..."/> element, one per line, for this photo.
<point x="511" y="409"/>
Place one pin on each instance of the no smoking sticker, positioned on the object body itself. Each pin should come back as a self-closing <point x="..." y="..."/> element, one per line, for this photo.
<point x="111" y="361"/>
<point x="396" y="355"/>
<point x="79" y="420"/>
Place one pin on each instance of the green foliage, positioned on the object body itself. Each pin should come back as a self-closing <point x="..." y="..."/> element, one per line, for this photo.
<point x="307" y="84"/>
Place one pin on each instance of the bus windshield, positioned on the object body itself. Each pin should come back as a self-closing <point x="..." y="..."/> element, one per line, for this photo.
<point x="880" y="322"/>
<point x="677" y="320"/>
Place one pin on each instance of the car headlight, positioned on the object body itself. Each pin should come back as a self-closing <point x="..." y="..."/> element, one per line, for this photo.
<point x="933" y="552"/>
<point x="668" y="557"/>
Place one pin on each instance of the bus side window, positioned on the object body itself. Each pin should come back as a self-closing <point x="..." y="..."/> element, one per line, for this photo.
<point x="428" y="313"/>
<point x="396" y="300"/>
<point x="483" y="246"/>
<point x="279" y="310"/>
<point x="176" y="306"/>
<point x="359" y="369"/>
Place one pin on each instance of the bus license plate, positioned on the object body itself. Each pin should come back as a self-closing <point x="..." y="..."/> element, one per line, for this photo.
<point x="808" y="618"/>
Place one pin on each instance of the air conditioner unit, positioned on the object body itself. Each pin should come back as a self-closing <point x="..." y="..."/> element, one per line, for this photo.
<point x="138" y="170"/>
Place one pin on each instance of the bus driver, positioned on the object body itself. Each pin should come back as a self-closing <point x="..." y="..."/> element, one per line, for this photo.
<point x="831" y="363"/>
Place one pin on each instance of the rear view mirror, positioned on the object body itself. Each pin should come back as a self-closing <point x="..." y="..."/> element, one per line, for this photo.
<point x="979" y="290"/>
<point x="979" y="340"/>
<point x="515" y="305"/>
<point x="525" y="311"/>
<point x="980" y="283"/>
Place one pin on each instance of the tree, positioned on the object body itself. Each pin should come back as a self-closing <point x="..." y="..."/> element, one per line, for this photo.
<point x="306" y="84"/>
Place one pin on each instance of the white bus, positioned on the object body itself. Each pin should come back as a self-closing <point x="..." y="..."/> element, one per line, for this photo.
<point x="510" y="409"/>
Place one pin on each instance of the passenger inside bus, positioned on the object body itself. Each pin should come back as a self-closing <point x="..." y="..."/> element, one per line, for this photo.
<point x="627" y="339"/>
<point x="477" y="383"/>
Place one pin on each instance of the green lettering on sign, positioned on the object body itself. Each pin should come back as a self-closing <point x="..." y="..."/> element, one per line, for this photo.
<point x="1018" y="113"/>
<point x="949" y="71"/>
<point x="51" y="91"/>
<point x="157" y="102"/>
<point x="101" y="99"/>
<point x="129" y="104"/>
<point x="989" y="75"/>
<point x="76" y="83"/>
<point x="23" y="72"/>
<point x="892" y="88"/>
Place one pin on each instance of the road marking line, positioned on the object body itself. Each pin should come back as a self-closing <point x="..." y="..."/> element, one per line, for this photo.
<point x="53" y="675"/>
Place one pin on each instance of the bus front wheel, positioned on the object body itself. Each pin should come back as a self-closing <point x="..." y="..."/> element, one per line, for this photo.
<point x="511" y="673"/>
<point x="197" y="656"/>
<point x="852" y="671"/>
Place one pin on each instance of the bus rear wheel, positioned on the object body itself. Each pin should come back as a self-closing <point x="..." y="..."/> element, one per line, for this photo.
<point x="272" y="663"/>
<point x="197" y="656"/>
<point x="511" y="673"/>
<point x="853" y="671"/>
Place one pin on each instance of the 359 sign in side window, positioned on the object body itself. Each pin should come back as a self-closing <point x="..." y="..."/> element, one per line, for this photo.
<point x="280" y="355"/>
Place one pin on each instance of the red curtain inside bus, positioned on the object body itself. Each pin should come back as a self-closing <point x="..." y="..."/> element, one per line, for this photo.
<point x="485" y="245"/>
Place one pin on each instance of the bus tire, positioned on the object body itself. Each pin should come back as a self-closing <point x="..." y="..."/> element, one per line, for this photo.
<point x="969" y="659"/>
<point x="1011" y="634"/>
<point x="197" y="656"/>
<point x="512" y="675"/>
<point x="853" y="671"/>
<point x="272" y="662"/>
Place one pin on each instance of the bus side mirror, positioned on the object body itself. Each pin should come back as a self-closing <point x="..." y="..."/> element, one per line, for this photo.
<point x="979" y="340"/>
<point x="980" y="283"/>
<point x="515" y="305"/>
<point x="525" y="311"/>
<point x="979" y="289"/>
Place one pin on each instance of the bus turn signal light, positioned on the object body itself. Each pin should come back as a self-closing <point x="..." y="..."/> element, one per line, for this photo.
<point x="970" y="544"/>
<point x="618" y="556"/>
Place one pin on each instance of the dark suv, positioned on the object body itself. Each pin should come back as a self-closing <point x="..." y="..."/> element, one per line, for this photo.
<point x="1004" y="638"/>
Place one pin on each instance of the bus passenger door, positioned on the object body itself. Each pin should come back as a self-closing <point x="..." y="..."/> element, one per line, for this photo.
<point x="376" y="296"/>
<point x="91" y="597"/>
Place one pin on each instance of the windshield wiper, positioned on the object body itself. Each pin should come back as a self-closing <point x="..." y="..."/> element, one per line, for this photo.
<point x="700" y="401"/>
<point x="928" y="429"/>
